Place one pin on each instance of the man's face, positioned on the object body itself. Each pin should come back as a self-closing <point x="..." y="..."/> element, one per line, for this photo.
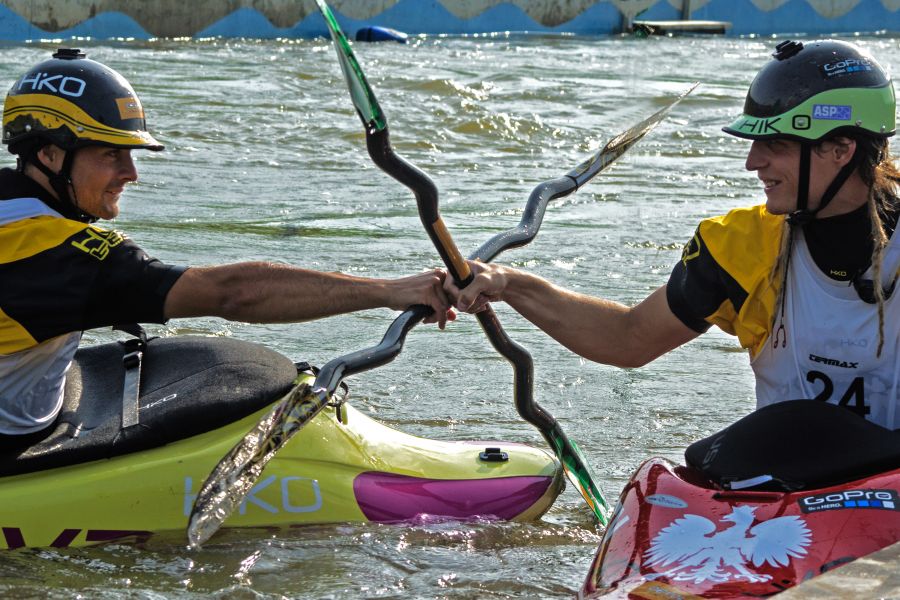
<point x="99" y="176"/>
<point x="777" y="164"/>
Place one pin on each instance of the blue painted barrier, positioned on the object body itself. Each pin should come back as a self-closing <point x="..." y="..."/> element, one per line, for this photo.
<point x="22" y="20"/>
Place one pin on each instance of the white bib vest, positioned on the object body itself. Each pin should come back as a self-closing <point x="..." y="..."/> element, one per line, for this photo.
<point x="827" y="349"/>
<point x="32" y="381"/>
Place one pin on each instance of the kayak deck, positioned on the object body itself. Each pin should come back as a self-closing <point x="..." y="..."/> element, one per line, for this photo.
<point x="334" y="470"/>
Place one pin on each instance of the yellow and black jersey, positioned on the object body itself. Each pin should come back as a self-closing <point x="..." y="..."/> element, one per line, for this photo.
<point x="61" y="276"/>
<point x="723" y="276"/>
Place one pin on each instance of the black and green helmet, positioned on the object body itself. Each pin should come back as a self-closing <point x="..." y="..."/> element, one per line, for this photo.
<point x="813" y="90"/>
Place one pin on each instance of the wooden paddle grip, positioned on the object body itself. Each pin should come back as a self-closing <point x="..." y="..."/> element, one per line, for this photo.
<point x="459" y="264"/>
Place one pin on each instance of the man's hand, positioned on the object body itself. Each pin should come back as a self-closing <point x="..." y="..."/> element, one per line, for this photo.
<point x="425" y="288"/>
<point x="488" y="285"/>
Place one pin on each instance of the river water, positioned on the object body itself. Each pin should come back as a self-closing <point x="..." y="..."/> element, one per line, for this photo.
<point x="266" y="160"/>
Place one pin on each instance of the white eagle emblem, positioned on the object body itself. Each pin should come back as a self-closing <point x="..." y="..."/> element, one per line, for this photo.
<point x="696" y="552"/>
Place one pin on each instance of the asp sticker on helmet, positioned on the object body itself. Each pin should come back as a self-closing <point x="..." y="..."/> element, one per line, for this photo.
<point x="832" y="112"/>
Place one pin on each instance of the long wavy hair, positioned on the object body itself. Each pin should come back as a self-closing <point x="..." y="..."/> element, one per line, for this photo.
<point x="878" y="170"/>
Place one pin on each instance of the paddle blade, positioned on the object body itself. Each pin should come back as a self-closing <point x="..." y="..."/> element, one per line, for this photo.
<point x="360" y="92"/>
<point x="236" y="474"/>
<point x="579" y="474"/>
<point x="620" y="144"/>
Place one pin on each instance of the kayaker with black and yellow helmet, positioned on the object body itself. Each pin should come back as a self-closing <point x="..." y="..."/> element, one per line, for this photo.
<point x="72" y="123"/>
<point x="791" y="278"/>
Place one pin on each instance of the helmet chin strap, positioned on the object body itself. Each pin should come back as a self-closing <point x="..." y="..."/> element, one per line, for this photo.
<point x="61" y="183"/>
<point x="804" y="215"/>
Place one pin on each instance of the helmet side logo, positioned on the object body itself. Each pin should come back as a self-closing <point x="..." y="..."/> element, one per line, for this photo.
<point x="846" y="67"/>
<point x="56" y="84"/>
<point x="130" y="108"/>
<point x="832" y="112"/>
<point x="759" y="126"/>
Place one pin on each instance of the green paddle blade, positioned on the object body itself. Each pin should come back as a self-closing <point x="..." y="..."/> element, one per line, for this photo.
<point x="362" y="95"/>
<point x="579" y="474"/>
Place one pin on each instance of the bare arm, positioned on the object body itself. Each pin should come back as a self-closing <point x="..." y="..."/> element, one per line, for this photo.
<point x="599" y="330"/>
<point x="259" y="292"/>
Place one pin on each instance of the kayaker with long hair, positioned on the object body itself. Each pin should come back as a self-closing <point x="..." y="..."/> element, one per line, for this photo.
<point x="805" y="281"/>
<point x="72" y="123"/>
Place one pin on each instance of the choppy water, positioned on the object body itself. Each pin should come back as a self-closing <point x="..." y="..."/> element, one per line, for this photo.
<point x="265" y="160"/>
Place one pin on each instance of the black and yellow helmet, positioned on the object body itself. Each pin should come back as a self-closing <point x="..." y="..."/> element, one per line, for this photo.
<point x="72" y="102"/>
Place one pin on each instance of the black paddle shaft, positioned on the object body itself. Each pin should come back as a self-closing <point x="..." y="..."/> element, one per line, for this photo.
<point x="530" y="223"/>
<point x="334" y="371"/>
<point x="378" y="144"/>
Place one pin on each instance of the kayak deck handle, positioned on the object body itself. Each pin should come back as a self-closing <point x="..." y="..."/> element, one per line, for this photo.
<point x="736" y="496"/>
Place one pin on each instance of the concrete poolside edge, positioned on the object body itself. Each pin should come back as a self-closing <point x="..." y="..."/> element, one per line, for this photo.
<point x="874" y="576"/>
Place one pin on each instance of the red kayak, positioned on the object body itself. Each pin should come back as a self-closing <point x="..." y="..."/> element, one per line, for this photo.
<point x="788" y="493"/>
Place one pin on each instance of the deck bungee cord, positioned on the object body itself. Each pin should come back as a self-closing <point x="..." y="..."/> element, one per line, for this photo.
<point x="236" y="474"/>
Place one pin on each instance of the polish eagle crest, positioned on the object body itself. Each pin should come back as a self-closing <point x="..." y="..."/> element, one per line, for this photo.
<point x="690" y="548"/>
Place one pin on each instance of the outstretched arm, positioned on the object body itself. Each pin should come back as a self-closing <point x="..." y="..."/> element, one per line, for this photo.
<point x="597" y="329"/>
<point x="259" y="292"/>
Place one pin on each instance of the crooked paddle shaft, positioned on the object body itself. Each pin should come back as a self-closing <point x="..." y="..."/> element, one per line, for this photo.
<point x="426" y="194"/>
<point x="236" y="473"/>
<point x="378" y="143"/>
<point x="379" y="147"/>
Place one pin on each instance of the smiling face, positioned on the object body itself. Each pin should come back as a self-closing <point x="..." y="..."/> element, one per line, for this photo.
<point x="99" y="175"/>
<point x="777" y="164"/>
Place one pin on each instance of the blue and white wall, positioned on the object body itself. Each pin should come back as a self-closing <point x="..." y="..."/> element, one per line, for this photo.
<point x="22" y="20"/>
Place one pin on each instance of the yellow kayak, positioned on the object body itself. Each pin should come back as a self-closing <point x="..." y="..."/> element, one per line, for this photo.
<point x="89" y="480"/>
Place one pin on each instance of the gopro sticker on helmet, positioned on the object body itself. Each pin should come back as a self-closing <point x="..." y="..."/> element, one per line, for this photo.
<point x="846" y="67"/>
